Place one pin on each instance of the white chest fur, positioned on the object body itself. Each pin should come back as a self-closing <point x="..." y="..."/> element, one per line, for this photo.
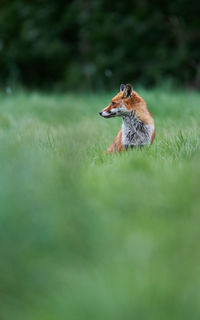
<point x="135" y="132"/>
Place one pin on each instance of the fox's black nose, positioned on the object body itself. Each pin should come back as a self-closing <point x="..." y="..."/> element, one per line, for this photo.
<point x="100" y="113"/>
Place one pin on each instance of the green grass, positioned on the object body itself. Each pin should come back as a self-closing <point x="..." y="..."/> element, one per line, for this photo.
<point x="89" y="236"/>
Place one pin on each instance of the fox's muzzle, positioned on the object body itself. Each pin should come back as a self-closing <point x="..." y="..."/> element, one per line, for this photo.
<point x="107" y="114"/>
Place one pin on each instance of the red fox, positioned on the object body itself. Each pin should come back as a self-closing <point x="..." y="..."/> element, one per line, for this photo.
<point x="138" y="127"/>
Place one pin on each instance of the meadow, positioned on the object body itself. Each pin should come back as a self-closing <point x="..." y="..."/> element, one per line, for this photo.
<point x="89" y="236"/>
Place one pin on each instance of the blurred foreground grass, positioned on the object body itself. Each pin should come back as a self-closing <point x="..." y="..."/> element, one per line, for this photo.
<point x="89" y="236"/>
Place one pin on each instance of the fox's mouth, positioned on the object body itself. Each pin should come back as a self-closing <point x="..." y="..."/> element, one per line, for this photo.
<point x="107" y="114"/>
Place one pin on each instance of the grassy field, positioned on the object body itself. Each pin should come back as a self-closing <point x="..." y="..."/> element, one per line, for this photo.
<point x="94" y="237"/>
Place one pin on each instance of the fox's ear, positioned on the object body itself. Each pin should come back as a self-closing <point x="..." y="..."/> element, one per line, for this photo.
<point x="127" y="91"/>
<point x="122" y="87"/>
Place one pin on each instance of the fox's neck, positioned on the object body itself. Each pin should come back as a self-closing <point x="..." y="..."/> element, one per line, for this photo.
<point x="130" y="123"/>
<point x="134" y="131"/>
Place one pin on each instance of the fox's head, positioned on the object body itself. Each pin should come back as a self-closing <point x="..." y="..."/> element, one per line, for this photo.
<point x="120" y="104"/>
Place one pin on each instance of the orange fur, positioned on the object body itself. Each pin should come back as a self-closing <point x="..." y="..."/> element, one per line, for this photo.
<point x="116" y="146"/>
<point x="153" y="136"/>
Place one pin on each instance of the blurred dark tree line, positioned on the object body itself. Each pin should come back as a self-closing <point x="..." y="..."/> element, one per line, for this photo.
<point x="99" y="43"/>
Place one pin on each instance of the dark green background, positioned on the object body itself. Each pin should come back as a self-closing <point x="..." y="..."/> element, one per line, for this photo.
<point x="97" y="44"/>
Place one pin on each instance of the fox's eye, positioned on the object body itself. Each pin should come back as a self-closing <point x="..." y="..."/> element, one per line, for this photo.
<point x="113" y="103"/>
